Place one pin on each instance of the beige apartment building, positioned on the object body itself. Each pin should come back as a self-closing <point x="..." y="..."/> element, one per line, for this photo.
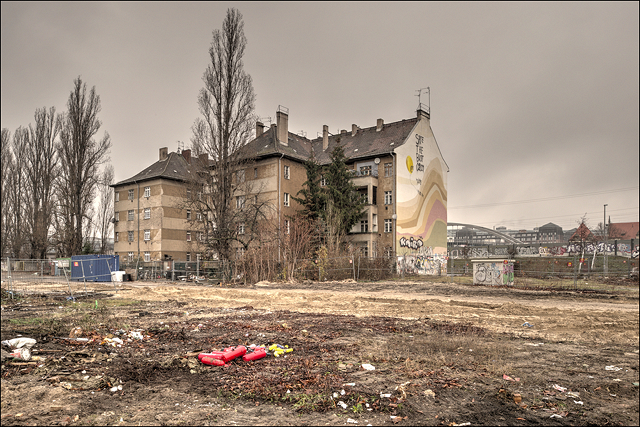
<point x="398" y="168"/>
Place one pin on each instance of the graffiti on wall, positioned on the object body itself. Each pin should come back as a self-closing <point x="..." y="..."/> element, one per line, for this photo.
<point x="623" y="249"/>
<point x="422" y="264"/>
<point x="493" y="274"/>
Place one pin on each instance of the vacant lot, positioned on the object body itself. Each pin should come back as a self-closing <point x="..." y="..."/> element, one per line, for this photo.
<point x="443" y="354"/>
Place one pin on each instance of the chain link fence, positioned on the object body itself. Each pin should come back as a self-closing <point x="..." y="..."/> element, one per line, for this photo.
<point x="51" y="277"/>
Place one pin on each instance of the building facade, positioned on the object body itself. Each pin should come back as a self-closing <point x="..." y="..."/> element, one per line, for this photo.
<point x="397" y="167"/>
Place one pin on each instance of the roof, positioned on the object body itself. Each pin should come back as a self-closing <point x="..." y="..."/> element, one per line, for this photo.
<point x="582" y="233"/>
<point x="365" y="143"/>
<point x="174" y="167"/>
<point x="624" y="230"/>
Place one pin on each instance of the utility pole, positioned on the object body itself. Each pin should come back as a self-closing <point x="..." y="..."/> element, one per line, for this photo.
<point x="604" y="224"/>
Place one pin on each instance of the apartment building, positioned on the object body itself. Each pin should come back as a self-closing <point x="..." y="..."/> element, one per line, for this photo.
<point x="397" y="167"/>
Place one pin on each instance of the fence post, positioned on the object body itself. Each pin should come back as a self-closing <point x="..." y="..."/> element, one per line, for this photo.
<point x="84" y="279"/>
<point x="10" y="278"/>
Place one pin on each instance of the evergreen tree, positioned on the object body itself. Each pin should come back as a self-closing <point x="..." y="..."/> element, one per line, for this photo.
<point x="345" y="206"/>
<point x="313" y="199"/>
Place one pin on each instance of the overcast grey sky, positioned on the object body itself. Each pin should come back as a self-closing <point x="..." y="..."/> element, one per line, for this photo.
<point x="534" y="105"/>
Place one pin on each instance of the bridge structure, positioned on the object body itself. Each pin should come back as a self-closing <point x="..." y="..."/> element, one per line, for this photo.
<point x="495" y="233"/>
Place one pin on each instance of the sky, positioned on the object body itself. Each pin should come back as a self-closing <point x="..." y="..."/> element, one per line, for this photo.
<point x="534" y="105"/>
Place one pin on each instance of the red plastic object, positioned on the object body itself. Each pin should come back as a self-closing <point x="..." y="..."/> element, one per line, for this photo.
<point x="212" y="361"/>
<point x="214" y="354"/>
<point x="258" y="354"/>
<point x="232" y="354"/>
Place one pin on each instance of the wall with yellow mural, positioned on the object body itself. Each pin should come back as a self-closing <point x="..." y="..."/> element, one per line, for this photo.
<point x="421" y="203"/>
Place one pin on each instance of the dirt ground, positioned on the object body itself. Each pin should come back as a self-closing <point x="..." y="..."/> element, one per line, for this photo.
<point x="443" y="353"/>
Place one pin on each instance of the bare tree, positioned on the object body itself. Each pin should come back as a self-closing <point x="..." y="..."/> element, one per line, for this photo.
<point x="6" y="159"/>
<point x="41" y="171"/>
<point x="300" y="238"/>
<point x="226" y="103"/>
<point x="81" y="156"/>
<point x="104" y="213"/>
<point x="16" y="194"/>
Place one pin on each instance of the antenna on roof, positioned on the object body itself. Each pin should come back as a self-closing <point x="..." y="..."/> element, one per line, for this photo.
<point x="302" y="133"/>
<point x="265" y="120"/>
<point x="426" y="108"/>
<point x="180" y="147"/>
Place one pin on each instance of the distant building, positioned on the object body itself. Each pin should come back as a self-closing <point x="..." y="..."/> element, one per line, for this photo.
<point x="624" y="231"/>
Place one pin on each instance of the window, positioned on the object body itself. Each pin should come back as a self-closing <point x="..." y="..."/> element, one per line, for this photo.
<point x="130" y="215"/>
<point x="388" y="226"/>
<point x="388" y="198"/>
<point x="198" y="216"/>
<point x="374" y="223"/>
<point x="130" y="236"/>
<point x="188" y="256"/>
<point x="116" y="216"/>
<point x="130" y="255"/>
<point x="287" y="226"/>
<point x="117" y="237"/>
<point x="255" y="172"/>
<point x="147" y="235"/>
<point x="200" y="236"/>
<point x="375" y="196"/>
<point x="240" y="202"/>
<point x="388" y="169"/>
<point x="323" y="181"/>
<point x="117" y="196"/>
<point x="188" y="193"/>
<point x="147" y="191"/>
<point x="198" y="257"/>
<point x="388" y="251"/>
<point x="199" y="195"/>
<point x="364" y="249"/>
<point x="188" y="236"/>
<point x="240" y="176"/>
<point x="147" y="256"/>
<point x="147" y="213"/>
<point x="286" y="199"/>
<point x="365" y="170"/>
<point x="188" y="213"/>
<point x="240" y="228"/>
<point x="130" y="194"/>
<point x="286" y="172"/>
<point x="364" y="226"/>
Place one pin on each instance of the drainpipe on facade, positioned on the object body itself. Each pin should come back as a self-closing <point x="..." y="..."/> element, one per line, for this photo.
<point x="393" y="209"/>
<point x="279" y="205"/>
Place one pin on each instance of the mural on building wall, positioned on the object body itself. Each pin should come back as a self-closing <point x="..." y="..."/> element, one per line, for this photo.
<point x="421" y="204"/>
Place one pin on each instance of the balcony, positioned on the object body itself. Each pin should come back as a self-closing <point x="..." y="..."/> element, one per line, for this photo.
<point x="364" y="179"/>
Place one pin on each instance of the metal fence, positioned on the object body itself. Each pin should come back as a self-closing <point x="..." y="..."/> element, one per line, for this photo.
<point x="187" y="271"/>
<point x="53" y="277"/>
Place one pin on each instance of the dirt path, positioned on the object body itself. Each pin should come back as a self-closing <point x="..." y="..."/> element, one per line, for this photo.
<point x="565" y="316"/>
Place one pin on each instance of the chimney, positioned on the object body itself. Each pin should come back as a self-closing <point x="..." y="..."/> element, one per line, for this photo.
<point x="354" y="130"/>
<point x="282" y="118"/>
<point x="259" y="129"/>
<point x="422" y="112"/>
<point x="325" y="137"/>
<point x="343" y="131"/>
<point x="379" y="125"/>
<point x="187" y="155"/>
<point x="203" y="159"/>
<point x="164" y="153"/>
